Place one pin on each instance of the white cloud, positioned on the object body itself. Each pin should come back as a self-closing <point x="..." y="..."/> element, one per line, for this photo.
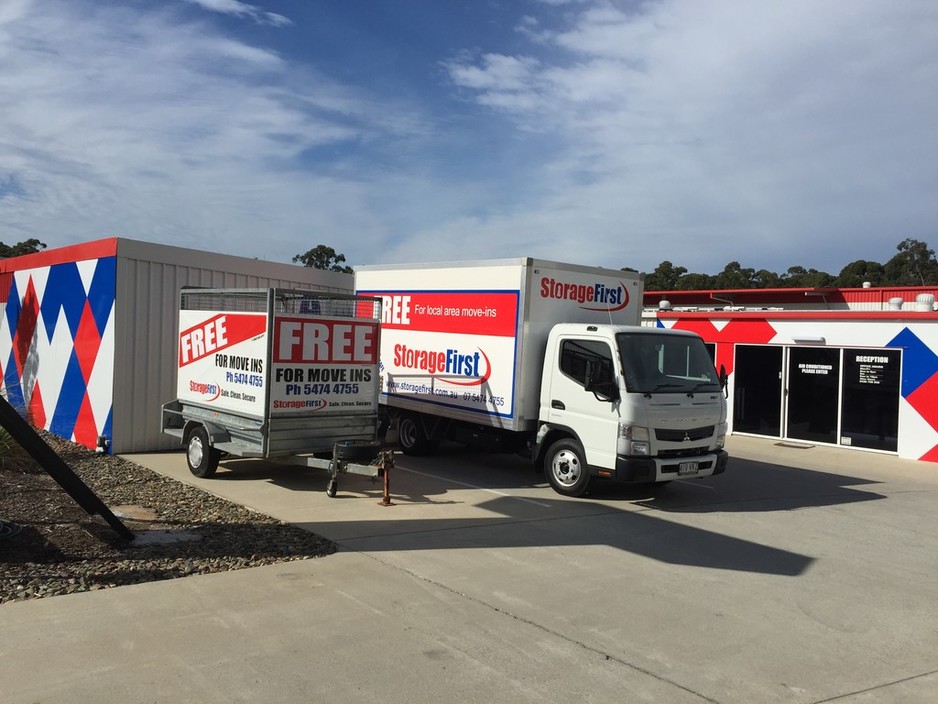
<point x="690" y="127"/>
<point x="150" y="127"/>
<point x="242" y="9"/>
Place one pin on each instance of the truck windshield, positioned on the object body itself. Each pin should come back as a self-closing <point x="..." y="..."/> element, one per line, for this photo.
<point x="656" y="363"/>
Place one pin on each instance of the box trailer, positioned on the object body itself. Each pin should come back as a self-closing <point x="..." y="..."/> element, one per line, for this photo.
<point x="282" y="374"/>
<point x="546" y="359"/>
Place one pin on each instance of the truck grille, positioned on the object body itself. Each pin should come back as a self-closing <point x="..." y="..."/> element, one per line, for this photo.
<point x="683" y="452"/>
<point x="669" y="435"/>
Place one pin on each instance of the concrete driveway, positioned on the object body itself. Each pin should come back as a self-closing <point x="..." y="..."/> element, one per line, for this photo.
<point x="803" y="574"/>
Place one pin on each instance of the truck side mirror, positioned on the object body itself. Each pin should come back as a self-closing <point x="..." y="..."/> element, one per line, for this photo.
<point x="602" y="390"/>
<point x="723" y="379"/>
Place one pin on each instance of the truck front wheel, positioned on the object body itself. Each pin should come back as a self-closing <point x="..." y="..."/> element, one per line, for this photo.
<point x="201" y="457"/>
<point x="565" y="465"/>
<point x="411" y="436"/>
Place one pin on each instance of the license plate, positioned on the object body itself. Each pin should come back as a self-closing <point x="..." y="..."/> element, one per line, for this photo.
<point x="688" y="467"/>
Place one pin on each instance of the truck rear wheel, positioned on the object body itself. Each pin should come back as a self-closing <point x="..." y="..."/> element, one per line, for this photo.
<point x="201" y="457"/>
<point x="565" y="465"/>
<point x="411" y="436"/>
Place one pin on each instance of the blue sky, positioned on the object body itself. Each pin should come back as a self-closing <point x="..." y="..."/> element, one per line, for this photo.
<point x="603" y="132"/>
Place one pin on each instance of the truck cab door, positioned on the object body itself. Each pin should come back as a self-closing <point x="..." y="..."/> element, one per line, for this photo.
<point x="583" y="396"/>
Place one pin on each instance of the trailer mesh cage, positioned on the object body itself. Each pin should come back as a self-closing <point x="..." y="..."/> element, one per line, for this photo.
<point x="283" y="301"/>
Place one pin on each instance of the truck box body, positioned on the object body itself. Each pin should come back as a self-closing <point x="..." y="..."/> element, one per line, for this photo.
<point x="466" y="341"/>
<point x="273" y="372"/>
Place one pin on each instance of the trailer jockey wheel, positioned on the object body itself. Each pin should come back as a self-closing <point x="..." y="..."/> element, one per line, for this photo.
<point x="331" y="488"/>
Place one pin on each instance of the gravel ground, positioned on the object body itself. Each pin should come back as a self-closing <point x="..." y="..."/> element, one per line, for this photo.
<point x="49" y="545"/>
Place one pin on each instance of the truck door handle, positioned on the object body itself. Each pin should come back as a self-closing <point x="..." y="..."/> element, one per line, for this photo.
<point x="554" y="403"/>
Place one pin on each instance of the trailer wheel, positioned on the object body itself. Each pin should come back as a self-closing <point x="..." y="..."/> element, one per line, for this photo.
<point x="411" y="436"/>
<point x="566" y="469"/>
<point x="201" y="457"/>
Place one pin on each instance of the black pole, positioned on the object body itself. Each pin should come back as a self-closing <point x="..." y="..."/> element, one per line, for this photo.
<point x="55" y="466"/>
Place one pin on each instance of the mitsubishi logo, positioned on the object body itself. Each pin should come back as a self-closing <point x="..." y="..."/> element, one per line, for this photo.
<point x="686" y="437"/>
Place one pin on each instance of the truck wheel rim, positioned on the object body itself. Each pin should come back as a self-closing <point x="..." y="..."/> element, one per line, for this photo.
<point x="407" y="434"/>
<point x="195" y="451"/>
<point x="566" y="467"/>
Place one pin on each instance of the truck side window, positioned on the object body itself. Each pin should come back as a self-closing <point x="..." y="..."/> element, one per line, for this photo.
<point x="575" y="356"/>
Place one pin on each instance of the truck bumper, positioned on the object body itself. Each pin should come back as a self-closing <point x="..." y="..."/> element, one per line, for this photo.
<point x="648" y="469"/>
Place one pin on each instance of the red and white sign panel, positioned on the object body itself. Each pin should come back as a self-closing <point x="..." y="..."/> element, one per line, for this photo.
<point x="323" y="365"/>
<point x="454" y="348"/>
<point x="221" y="359"/>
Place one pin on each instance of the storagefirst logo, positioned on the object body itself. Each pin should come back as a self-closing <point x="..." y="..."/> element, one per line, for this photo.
<point x="449" y="364"/>
<point x="213" y="391"/>
<point x="609" y="299"/>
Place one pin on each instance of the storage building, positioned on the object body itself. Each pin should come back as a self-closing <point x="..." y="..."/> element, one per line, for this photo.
<point x="853" y="368"/>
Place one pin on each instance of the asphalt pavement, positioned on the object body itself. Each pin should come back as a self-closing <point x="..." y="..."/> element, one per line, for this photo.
<point x="803" y="574"/>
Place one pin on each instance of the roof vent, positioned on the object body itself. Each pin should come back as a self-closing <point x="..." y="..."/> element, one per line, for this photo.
<point x="664" y="304"/>
<point x="867" y="284"/>
<point x="925" y="301"/>
<point x="895" y="303"/>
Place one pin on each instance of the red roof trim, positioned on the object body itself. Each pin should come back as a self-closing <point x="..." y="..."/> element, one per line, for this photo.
<point x="847" y="315"/>
<point x="879" y="294"/>
<point x="73" y="253"/>
<point x="730" y="291"/>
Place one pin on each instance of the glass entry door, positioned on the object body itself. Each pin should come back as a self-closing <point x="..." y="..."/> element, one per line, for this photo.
<point x="757" y="395"/>
<point x="813" y="393"/>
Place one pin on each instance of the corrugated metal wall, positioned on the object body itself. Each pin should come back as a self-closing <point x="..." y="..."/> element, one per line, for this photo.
<point x="149" y="278"/>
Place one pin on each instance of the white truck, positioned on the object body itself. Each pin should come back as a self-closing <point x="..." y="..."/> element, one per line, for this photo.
<point x="549" y="360"/>
<point x="282" y="374"/>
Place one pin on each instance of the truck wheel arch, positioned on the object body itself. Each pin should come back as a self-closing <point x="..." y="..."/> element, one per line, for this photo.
<point x="555" y="433"/>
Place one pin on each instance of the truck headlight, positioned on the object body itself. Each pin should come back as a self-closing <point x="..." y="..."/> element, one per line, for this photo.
<point x="721" y="434"/>
<point x="637" y="437"/>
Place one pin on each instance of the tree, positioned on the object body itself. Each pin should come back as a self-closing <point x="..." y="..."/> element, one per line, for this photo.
<point x="695" y="282"/>
<point x="799" y="277"/>
<point x="664" y="277"/>
<point x="30" y="246"/>
<point x="325" y="258"/>
<point x="766" y="279"/>
<point x="734" y="276"/>
<point x="914" y="265"/>
<point x="856" y="273"/>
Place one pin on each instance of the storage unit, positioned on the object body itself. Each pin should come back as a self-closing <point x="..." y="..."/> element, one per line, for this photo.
<point x="88" y="332"/>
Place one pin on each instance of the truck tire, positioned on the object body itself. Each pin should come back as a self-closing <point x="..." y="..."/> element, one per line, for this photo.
<point x="565" y="466"/>
<point x="411" y="436"/>
<point x="201" y="457"/>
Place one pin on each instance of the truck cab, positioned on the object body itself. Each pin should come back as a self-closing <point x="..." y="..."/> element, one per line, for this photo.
<point x="630" y="403"/>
